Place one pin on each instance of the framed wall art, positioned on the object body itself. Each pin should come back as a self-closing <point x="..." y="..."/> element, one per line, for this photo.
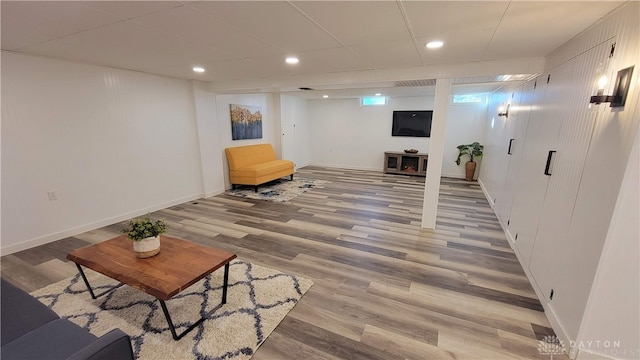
<point x="246" y="122"/>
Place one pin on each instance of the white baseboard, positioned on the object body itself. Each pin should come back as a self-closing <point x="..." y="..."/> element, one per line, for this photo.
<point x="555" y="322"/>
<point x="214" y="192"/>
<point x="488" y="197"/>
<point x="451" y="175"/>
<point x="28" y="244"/>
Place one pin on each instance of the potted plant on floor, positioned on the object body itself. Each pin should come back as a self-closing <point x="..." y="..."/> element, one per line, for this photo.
<point x="145" y="234"/>
<point x="473" y="150"/>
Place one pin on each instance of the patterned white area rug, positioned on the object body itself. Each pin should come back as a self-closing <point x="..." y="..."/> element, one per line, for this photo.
<point x="280" y="190"/>
<point x="258" y="298"/>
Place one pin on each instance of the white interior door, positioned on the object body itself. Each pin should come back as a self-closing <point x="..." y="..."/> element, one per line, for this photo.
<point x="288" y="141"/>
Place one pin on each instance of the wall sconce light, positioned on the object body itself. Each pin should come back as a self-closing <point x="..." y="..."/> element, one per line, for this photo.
<point x="620" y="91"/>
<point x="504" y="111"/>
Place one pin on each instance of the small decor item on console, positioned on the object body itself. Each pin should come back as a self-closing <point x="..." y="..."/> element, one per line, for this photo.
<point x="145" y="234"/>
<point x="411" y="151"/>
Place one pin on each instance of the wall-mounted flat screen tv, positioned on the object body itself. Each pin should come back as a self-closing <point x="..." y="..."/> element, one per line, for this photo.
<point x="412" y="123"/>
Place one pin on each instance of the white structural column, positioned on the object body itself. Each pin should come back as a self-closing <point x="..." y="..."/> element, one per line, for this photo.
<point x="436" y="151"/>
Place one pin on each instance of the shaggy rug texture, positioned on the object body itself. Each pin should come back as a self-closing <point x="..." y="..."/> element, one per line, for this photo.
<point x="280" y="190"/>
<point x="258" y="298"/>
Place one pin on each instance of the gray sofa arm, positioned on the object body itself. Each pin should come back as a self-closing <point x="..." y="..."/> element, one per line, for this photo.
<point x="113" y="345"/>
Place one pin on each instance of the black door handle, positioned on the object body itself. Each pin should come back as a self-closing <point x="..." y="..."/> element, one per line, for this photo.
<point x="549" y="156"/>
<point x="510" y="143"/>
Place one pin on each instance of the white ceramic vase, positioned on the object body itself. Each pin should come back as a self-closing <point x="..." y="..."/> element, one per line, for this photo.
<point x="147" y="247"/>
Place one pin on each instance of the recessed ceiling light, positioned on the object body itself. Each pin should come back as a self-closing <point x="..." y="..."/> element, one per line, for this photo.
<point x="378" y="94"/>
<point x="199" y="69"/>
<point x="325" y="96"/>
<point x="434" y="44"/>
<point x="292" y="60"/>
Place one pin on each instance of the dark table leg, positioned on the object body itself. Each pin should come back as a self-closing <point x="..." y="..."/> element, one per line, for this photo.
<point x="194" y="325"/>
<point x="86" y="282"/>
<point x="225" y="283"/>
<point x="172" y="328"/>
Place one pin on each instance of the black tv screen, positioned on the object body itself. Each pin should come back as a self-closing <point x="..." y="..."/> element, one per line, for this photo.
<point x="412" y="123"/>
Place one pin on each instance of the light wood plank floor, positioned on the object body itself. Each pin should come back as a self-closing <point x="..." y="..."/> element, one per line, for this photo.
<point x="384" y="287"/>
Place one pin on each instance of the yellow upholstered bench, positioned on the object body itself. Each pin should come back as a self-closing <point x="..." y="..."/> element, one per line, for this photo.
<point x="255" y="165"/>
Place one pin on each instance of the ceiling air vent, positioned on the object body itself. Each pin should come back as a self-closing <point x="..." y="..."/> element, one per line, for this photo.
<point x="425" y="82"/>
<point x="305" y="88"/>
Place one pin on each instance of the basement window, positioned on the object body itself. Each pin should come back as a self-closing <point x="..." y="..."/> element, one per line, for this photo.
<point x="469" y="99"/>
<point x="373" y="100"/>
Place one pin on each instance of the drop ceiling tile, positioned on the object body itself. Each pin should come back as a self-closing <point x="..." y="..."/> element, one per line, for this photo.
<point x="358" y="22"/>
<point x="513" y="39"/>
<point x="428" y="17"/>
<point x="132" y="9"/>
<point x="311" y="63"/>
<point x="274" y="66"/>
<point x="468" y="45"/>
<point x="31" y="22"/>
<point x="275" y="22"/>
<point x="389" y="55"/>
<point x="188" y="59"/>
<point x="508" y="44"/>
<point x="527" y="15"/>
<point x="179" y="72"/>
<point x="192" y="24"/>
<point x="332" y="60"/>
<point x="238" y="40"/>
<point x="229" y="70"/>
<point x="125" y="44"/>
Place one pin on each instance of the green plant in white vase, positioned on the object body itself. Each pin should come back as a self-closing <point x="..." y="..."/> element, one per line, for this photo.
<point x="145" y="234"/>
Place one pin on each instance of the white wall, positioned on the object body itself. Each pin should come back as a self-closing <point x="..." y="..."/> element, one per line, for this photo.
<point x="494" y="164"/>
<point x="212" y="155"/>
<point x="613" y="310"/>
<point x="111" y="143"/>
<point x="345" y="134"/>
<point x="465" y="125"/>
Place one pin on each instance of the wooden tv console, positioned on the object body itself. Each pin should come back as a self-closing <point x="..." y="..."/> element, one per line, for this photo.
<point x="399" y="162"/>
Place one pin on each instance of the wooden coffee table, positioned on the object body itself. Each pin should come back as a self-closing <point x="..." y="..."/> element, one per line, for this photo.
<point x="179" y="265"/>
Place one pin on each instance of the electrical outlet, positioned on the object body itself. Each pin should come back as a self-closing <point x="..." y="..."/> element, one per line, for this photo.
<point x="52" y="195"/>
